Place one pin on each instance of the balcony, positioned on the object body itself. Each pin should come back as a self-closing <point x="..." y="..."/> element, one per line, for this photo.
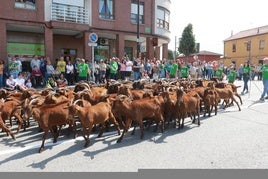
<point x="66" y="13"/>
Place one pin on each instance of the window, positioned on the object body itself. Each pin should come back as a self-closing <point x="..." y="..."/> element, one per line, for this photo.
<point x="234" y="47"/>
<point x="261" y="44"/>
<point x="25" y="4"/>
<point x="106" y="9"/>
<point x="66" y="51"/>
<point x="162" y="17"/>
<point x="134" y="12"/>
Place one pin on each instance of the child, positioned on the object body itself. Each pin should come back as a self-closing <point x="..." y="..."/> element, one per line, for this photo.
<point x="50" y="83"/>
<point x="28" y="83"/>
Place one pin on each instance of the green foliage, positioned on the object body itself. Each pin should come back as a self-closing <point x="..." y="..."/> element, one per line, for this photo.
<point x="187" y="44"/>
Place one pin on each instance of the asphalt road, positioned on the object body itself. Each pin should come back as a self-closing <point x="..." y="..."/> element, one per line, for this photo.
<point x="230" y="140"/>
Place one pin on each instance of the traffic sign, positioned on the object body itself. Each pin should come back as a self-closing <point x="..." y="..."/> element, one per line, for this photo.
<point x="93" y="37"/>
<point x="92" y="44"/>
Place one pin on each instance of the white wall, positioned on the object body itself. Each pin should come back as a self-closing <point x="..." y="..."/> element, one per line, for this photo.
<point x="166" y="4"/>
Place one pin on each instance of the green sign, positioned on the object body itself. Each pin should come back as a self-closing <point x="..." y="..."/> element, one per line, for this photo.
<point x="25" y="49"/>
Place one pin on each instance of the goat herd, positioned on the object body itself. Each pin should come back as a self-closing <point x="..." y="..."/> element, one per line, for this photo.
<point x="119" y="103"/>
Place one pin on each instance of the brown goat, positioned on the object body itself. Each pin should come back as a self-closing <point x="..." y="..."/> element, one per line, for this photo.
<point x="210" y="101"/>
<point x="137" y="110"/>
<point x="90" y="116"/>
<point x="52" y="116"/>
<point x="187" y="103"/>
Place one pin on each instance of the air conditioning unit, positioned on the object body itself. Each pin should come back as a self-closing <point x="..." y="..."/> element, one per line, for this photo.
<point x="103" y="41"/>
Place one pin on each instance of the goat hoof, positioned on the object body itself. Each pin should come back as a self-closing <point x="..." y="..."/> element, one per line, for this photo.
<point x="119" y="140"/>
<point x="13" y="137"/>
<point x="41" y="149"/>
<point x="86" y="144"/>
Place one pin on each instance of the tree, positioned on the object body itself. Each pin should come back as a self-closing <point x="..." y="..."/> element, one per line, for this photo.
<point x="187" y="42"/>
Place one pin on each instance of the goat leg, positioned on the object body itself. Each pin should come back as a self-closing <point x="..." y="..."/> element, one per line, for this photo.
<point x="41" y="149"/>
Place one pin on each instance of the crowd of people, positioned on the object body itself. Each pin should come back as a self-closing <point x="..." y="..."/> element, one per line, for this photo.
<point x="66" y="71"/>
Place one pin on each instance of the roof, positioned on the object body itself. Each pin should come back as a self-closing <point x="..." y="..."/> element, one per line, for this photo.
<point x="204" y="52"/>
<point x="249" y="32"/>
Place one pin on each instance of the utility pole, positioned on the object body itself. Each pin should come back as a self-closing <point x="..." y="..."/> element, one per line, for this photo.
<point x="249" y="49"/>
<point x="175" y="48"/>
<point x="138" y="29"/>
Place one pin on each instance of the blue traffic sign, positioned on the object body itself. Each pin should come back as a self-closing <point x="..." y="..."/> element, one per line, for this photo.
<point x="93" y="37"/>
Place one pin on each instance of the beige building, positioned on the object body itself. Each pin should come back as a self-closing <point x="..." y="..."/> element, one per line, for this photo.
<point x="251" y="44"/>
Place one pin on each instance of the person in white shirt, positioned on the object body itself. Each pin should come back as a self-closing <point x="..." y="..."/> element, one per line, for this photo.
<point x="28" y="83"/>
<point x="129" y="65"/>
<point x="20" y="82"/>
<point x="70" y="72"/>
<point x="35" y="62"/>
<point x="10" y="83"/>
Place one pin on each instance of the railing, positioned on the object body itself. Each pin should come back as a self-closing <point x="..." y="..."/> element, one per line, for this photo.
<point x="66" y="13"/>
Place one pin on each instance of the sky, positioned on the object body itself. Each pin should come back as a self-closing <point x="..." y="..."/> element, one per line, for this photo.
<point x="215" y="20"/>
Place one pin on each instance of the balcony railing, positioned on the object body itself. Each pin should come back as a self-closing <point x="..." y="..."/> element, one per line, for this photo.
<point x="66" y="13"/>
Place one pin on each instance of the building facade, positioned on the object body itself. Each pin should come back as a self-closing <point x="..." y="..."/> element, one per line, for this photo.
<point x="249" y="45"/>
<point x="54" y="28"/>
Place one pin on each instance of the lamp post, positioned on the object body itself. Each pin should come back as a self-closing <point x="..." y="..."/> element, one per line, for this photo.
<point x="138" y="29"/>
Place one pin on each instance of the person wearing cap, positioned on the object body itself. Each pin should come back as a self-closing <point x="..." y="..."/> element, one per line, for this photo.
<point x="264" y="70"/>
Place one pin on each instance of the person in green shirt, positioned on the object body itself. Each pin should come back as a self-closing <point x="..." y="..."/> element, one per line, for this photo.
<point x="173" y="69"/>
<point x="184" y="71"/>
<point x="232" y="75"/>
<point x="219" y="73"/>
<point x="83" y="70"/>
<point x="264" y="70"/>
<point x="246" y="77"/>
<point x="113" y="68"/>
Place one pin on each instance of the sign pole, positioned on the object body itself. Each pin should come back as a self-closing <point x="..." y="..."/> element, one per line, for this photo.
<point x="93" y="64"/>
<point x="93" y="38"/>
